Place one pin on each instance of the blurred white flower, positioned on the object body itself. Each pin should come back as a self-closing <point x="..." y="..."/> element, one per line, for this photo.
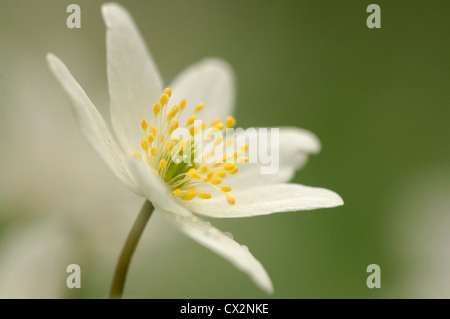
<point x="179" y="190"/>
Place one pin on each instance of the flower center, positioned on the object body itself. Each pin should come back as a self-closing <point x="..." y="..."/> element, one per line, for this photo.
<point x="178" y="155"/>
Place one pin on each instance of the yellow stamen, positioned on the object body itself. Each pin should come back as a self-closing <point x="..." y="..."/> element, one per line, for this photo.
<point x="154" y="151"/>
<point x="168" y="91"/>
<point x="207" y="155"/>
<point x="137" y="155"/>
<point x="163" y="100"/>
<point x="156" y="108"/>
<point x="185" y="197"/>
<point x="173" y="126"/>
<point x="181" y="145"/>
<point x="153" y="130"/>
<point x="190" y="120"/>
<point x="191" y="130"/>
<point x="228" y="166"/>
<point x="182" y="104"/>
<point x="230" y="199"/>
<point x="177" y="192"/>
<point x="218" y="140"/>
<point x="169" y="146"/>
<point x="191" y="193"/>
<point x="199" y="107"/>
<point x="233" y="171"/>
<point x="173" y="112"/>
<point x="210" y="173"/>
<point x="242" y="160"/>
<point x="144" y="144"/>
<point x="229" y="141"/>
<point x="192" y="173"/>
<point x="230" y="121"/>
<point x="203" y="168"/>
<point x="150" y="138"/>
<point x="162" y="163"/>
<point x="225" y="189"/>
<point x="221" y="174"/>
<point x="219" y="125"/>
<point x="144" y="125"/>
<point x="204" y="195"/>
<point x="216" y="181"/>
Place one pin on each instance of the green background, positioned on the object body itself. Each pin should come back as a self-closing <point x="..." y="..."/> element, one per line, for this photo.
<point x="378" y="99"/>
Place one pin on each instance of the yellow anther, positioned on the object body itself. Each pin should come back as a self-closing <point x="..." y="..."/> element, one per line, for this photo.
<point x="192" y="173"/>
<point x="182" y="104"/>
<point x="207" y="155"/>
<point x="152" y="129"/>
<point x="214" y="122"/>
<point x="210" y="173"/>
<point x="136" y="155"/>
<point x="230" y="199"/>
<point x="199" y="107"/>
<point x="181" y="145"/>
<point x="225" y="158"/>
<point x="144" y="125"/>
<point x="185" y="197"/>
<point x="192" y="130"/>
<point x="177" y="192"/>
<point x="150" y="138"/>
<point x="156" y="108"/>
<point x="173" y="126"/>
<point x="218" y="140"/>
<point x="217" y="164"/>
<point x="228" y="166"/>
<point x="203" y="168"/>
<point x="225" y="189"/>
<point x="242" y="160"/>
<point x="216" y="181"/>
<point x="169" y="146"/>
<point x="237" y="153"/>
<point x="154" y="151"/>
<point x="190" y="120"/>
<point x="221" y="174"/>
<point x="162" y="163"/>
<point x="168" y="91"/>
<point x="204" y="195"/>
<point x="144" y="144"/>
<point x="230" y="140"/>
<point x="163" y="100"/>
<point x="173" y="112"/>
<point x="211" y="132"/>
<point x="245" y="147"/>
<point x="191" y="193"/>
<point x="219" y="125"/>
<point x="233" y="171"/>
<point x="230" y="121"/>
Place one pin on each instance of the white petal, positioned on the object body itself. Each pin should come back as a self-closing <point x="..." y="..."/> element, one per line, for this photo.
<point x="224" y="246"/>
<point x="210" y="81"/>
<point x="134" y="80"/>
<point x="154" y="189"/>
<point x="268" y="199"/>
<point x="295" y="146"/>
<point x="197" y="229"/>
<point x="92" y="124"/>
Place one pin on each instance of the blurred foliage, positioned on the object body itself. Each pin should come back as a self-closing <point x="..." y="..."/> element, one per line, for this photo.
<point x="378" y="99"/>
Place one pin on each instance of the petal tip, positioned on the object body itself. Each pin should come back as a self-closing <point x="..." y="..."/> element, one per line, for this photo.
<point x="110" y="11"/>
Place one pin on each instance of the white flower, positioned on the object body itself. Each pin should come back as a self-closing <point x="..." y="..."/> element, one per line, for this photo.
<point x="140" y="151"/>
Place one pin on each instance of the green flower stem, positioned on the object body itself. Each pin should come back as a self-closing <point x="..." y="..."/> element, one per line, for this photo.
<point x="128" y="249"/>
